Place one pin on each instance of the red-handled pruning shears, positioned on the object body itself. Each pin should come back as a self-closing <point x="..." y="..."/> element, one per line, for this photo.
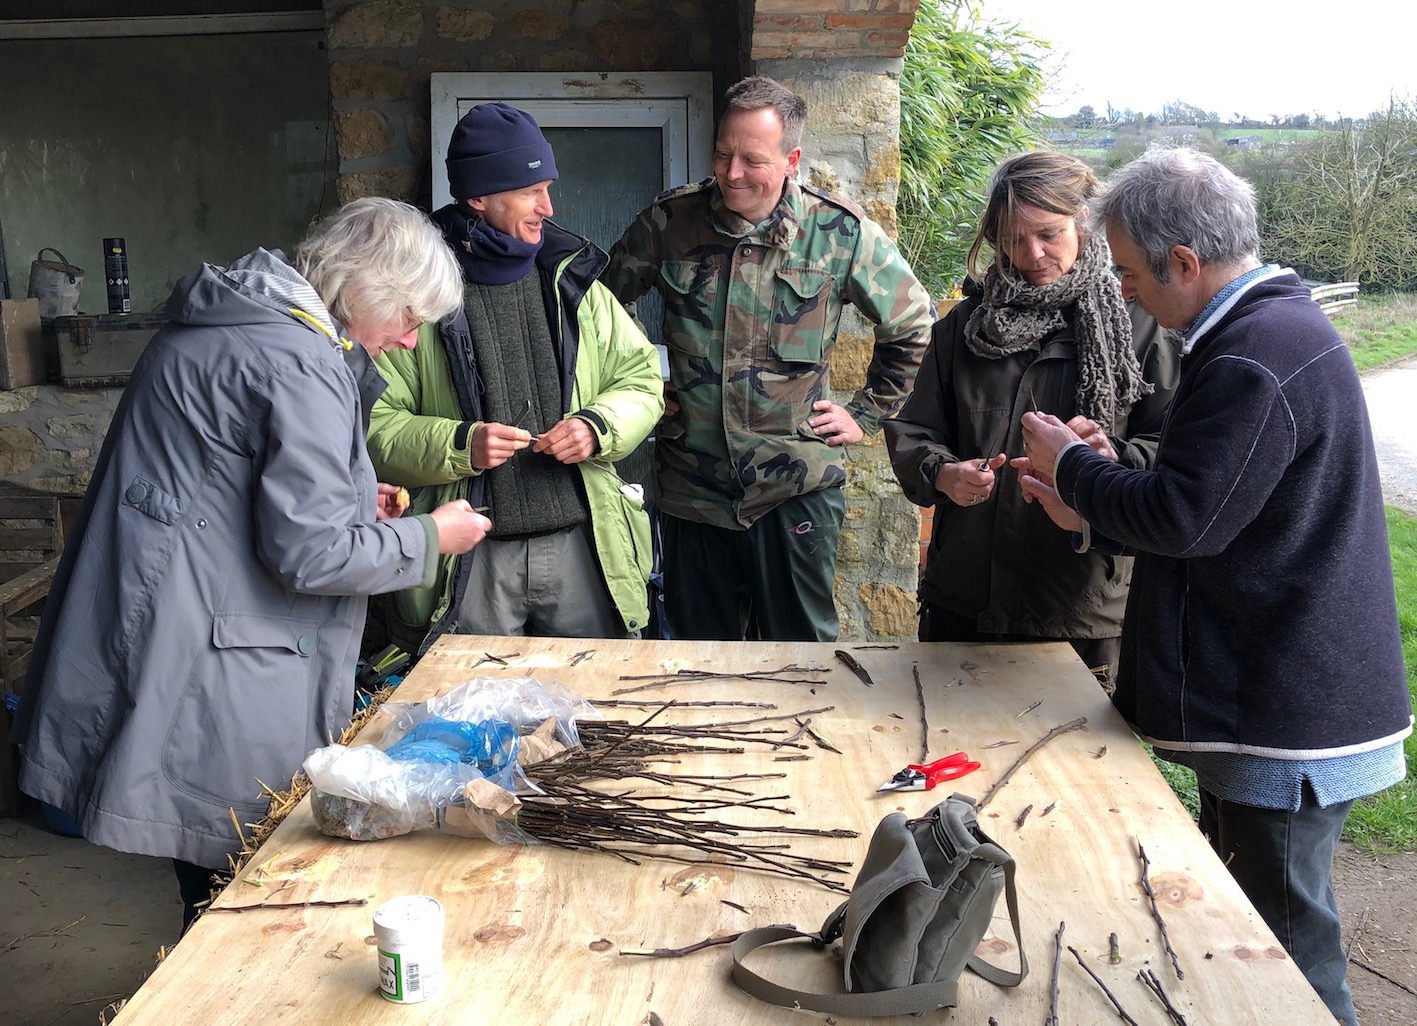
<point x="924" y="776"/>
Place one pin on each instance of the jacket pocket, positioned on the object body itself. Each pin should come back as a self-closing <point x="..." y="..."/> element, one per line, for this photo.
<point x="245" y="711"/>
<point x="801" y="298"/>
<point x="691" y="299"/>
<point x="149" y="499"/>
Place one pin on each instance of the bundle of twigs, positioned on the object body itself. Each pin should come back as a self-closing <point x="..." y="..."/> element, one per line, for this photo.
<point x="629" y="825"/>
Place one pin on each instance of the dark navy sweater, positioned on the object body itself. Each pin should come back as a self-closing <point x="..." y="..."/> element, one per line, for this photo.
<point x="1261" y="617"/>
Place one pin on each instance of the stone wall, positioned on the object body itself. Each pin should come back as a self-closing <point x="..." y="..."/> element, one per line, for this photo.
<point x="50" y="436"/>
<point x="382" y="53"/>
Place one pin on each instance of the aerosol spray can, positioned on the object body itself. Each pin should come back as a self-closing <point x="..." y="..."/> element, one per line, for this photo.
<point x="115" y="273"/>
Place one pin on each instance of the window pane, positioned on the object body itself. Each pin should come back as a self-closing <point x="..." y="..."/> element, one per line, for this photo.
<point x="608" y="175"/>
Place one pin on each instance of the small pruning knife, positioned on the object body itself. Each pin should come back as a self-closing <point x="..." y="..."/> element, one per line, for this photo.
<point x="924" y="776"/>
<point x="855" y="667"/>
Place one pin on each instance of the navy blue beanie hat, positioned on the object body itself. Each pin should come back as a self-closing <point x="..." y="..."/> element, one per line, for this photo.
<point x="496" y="148"/>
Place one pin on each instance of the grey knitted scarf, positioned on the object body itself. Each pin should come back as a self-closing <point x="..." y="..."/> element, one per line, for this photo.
<point x="1015" y="316"/>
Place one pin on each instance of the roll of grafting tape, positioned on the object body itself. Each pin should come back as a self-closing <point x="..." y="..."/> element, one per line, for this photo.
<point x="409" y="934"/>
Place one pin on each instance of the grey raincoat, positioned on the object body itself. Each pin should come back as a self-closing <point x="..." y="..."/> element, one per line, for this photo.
<point x="204" y="626"/>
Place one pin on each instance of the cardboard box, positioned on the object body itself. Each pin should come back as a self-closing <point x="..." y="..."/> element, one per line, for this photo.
<point x="21" y="344"/>
<point x="98" y="350"/>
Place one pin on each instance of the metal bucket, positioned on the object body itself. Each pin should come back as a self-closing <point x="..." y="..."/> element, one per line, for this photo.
<point x="56" y="284"/>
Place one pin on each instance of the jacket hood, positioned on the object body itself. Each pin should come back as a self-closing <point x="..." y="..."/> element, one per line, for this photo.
<point x="260" y="287"/>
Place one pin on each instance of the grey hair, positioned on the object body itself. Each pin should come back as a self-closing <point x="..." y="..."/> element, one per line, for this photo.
<point x="379" y="259"/>
<point x="1181" y="197"/>
<point x="759" y="92"/>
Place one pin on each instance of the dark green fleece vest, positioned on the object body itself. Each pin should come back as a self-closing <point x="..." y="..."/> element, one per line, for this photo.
<point x="531" y="493"/>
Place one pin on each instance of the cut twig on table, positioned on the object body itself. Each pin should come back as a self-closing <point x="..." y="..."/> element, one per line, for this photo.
<point x="689" y="949"/>
<point x="862" y="648"/>
<point x="660" y="680"/>
<point x="289" y="904"/>
<point x="1149" y="980"/>
<point x="1023" y="816"/>
<point x="1024" y="712"/>
<point x="1156" y="912"/>
<point x="1098" y="980"/>
<point x="924" y="722"/>
<point x="1100" y="752"/>
<point x="800" y="732"/>
<point x="1052" y="1019"/>
<point x="1114" y="949"/>
<point x="999" y="744"/>
<point x="733" y="904"/>
<point x="1076" y="724"/>
<point x="1051" y="807"/>
<point x="491" y="657"/>
<point x="579" y="657"/>
<point x="681" y="703"/>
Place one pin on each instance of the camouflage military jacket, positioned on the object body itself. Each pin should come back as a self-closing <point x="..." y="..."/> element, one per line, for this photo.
<point x="750" y="319"/>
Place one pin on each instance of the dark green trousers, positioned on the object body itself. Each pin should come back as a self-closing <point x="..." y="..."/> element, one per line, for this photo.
<point x="772" y="582"/>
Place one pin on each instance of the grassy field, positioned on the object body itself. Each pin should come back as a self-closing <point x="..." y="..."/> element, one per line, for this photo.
<point x="1382" y="327"/>
<point x="1388" y="821"/>
<point x="1378" y="329"/>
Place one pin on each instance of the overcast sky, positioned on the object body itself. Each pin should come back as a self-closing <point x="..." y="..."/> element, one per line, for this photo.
<point x="1225" y="56"/>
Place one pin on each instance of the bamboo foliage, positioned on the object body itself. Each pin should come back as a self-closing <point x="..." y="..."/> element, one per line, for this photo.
<point x="969" y="90"/>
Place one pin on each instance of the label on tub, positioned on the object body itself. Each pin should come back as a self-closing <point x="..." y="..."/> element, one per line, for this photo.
<point x="409" y="935"/>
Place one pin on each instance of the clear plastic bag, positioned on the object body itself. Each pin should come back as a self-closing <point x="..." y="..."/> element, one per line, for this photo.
<point x="446" y="764"/>
<point x="524" y="702"/>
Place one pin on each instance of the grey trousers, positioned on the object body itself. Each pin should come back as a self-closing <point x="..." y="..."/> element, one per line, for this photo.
<point x="549" y="586"/>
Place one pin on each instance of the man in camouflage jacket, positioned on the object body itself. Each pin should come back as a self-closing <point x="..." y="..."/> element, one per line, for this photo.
<point x="755" y="270"/>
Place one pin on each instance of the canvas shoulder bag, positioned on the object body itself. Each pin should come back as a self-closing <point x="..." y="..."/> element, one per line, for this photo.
<point x="920" y="905"/>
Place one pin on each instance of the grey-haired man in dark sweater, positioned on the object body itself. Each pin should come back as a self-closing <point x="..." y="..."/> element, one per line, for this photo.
<point x="1261" y="642"/>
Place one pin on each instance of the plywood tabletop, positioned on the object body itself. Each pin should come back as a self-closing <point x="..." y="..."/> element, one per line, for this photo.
<point x="534" y="934"/>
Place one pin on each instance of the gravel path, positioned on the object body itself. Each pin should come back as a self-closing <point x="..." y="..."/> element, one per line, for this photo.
<point x="1392" y="408"/>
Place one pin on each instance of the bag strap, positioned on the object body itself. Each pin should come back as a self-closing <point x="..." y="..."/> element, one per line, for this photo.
<point x="913" y="1000"/>
<point x="69" y="268"/>
<point x="916" y="999"/>
<point x="994" y="974"/>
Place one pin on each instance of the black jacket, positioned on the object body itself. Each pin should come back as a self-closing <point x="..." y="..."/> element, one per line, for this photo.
<point x="1003" y="562"/>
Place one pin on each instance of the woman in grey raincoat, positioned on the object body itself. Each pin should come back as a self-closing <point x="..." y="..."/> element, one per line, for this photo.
<point x="203" y="629"/>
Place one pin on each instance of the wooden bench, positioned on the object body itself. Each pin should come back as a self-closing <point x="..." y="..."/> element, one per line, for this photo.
<point x="1336" y="296"/>
<point x="31" y="535"/>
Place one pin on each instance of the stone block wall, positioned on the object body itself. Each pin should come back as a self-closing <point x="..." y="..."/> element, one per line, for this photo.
<point x="50" y="436"/>
<point x="382" y="53"/>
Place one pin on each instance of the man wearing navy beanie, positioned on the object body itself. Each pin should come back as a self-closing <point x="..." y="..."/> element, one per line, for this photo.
<point x="521" y="404"/>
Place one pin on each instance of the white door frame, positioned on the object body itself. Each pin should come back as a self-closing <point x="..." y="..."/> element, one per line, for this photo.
<point x="680" y="103"/>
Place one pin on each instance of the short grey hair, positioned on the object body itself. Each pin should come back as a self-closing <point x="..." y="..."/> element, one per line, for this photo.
<point x="1181" y="197"/>
<point x="379" y="259"/>
<point x="759" y="92"/>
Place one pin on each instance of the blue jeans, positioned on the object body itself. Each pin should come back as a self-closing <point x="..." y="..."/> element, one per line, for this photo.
<point x="1283" y="861"/>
